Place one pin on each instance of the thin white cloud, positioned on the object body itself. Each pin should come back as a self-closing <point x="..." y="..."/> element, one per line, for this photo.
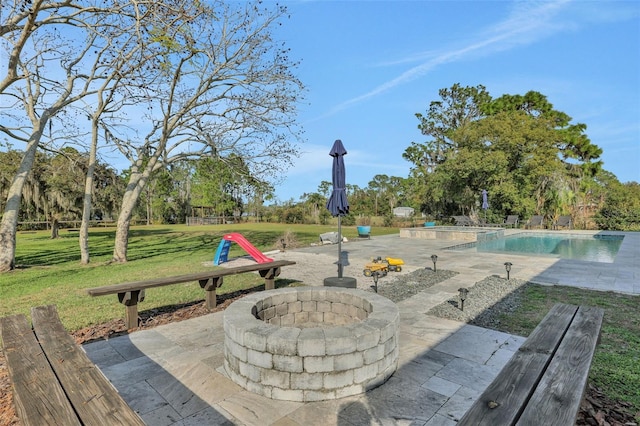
<point x="527" y="23"/>
<point x="313" y="159"/>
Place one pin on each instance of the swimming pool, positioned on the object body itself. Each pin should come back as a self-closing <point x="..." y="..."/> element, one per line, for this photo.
<point x="593" y="248"/>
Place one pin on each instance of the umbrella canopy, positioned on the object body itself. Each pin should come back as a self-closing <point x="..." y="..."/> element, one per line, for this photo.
<point x="485" y="203"/>
<point x="338" y="204"/>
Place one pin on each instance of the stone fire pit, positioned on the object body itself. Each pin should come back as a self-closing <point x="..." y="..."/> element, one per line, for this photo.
<point x="311" y="343"/>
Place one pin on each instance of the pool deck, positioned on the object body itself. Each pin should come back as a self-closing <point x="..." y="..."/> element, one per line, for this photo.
<point x="621" y="276"/>
<point x="173" y="374"/>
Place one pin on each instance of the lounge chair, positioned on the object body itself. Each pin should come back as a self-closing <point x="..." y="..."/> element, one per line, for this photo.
<point x="484" y="223"/>
<point x="463" y="221"/>
<point x="512" y="221"/>
<point x="329" y="238"/>
<point x="459" y="220"/>
<point x="535" y="221"/>
<point x="563" y="222"/>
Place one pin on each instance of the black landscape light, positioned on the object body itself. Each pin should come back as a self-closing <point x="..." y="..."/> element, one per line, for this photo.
<point x="434" y="259"/>
<point x="284" y="245"/>
<point x="507" y="266"/>
<point x="463" y="295"/>
<point x="375" y="280"/>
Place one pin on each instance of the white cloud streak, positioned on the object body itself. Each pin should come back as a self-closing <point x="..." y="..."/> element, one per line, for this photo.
<point x="527" y="23"/>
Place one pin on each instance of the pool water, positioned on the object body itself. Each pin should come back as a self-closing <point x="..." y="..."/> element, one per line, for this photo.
<point x="593" y="248"/>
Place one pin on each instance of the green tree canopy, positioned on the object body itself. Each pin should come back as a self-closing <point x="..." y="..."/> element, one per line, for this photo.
<point x="530" y="157"/>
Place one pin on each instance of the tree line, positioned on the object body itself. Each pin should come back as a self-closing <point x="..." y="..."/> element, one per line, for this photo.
<point x="529" y="157"/>
<point x="201" y="188"/>
<point x="54" y="190"/>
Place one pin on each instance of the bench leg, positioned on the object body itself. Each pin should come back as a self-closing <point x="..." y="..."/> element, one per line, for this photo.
<point x="130" y="300"/>
<point x="269" y="276"/>
<point x="269" y="284"/>
<point x="209" y="286"/>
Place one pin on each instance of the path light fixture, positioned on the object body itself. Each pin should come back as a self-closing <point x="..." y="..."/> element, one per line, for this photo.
<point x="375" y="280"/>
<point x="463" y="295"/>
<point x="507" y="266"/>
<point x="434" y="259"/>
<point x="284" y="245"/>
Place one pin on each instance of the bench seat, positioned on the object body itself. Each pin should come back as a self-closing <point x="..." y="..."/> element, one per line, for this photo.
<point x="54" y="382"/>
<point x="131" y="293"/>
<point x="545" y="380"/>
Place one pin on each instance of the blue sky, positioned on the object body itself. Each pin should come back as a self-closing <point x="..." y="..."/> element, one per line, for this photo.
<point x="370" y="66"/>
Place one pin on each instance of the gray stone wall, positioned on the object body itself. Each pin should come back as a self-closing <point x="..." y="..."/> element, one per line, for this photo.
<point x="310" y="343"/>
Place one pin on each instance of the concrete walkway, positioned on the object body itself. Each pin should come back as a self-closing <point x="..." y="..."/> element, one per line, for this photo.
<point x="173" y="374"/>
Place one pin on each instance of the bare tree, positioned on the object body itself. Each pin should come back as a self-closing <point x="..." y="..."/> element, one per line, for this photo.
<point x="128" y="60"/>
<point x="227" y="89"/>
<point x="61" y="53"/>
<point x="44" y="74"/>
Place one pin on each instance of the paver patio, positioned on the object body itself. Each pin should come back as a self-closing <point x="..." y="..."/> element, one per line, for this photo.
<point x="173" y="374"/>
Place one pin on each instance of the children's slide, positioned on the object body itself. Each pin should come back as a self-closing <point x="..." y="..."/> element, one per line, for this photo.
<point x="223" y="249"/>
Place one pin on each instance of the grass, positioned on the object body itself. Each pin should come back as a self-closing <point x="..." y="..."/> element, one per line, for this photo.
<point x="616" y="364"/>
<point x="49" y="272"/>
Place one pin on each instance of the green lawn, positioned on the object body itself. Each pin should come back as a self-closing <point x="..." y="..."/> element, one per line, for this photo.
<point x="616" y="363"/>
<point x="49" y="271"/>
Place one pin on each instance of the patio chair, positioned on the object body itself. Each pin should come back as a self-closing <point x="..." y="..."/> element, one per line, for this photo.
<point x="482" y="222"/>
<point x="458" y="219"/>
<point x="512" y="221"/>
<point x="463" y="221"/>
<point x="535" y="221"/>
<point x="563" y="222"/>
<point x="329" y="238"/>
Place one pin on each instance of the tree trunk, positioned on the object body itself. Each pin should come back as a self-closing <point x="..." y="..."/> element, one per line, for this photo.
<point x="148" y="207"/>
<point x="9" y="224"/>
<point x="129" y="200"/>
<point x="122" y="229"/>
<point x="83" y="237"/>
<point x="122" y="237"/>
<point x="55" y="227"/>
<point x="8" y="238"/>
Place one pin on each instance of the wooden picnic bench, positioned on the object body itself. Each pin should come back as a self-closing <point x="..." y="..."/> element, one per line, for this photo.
<point x="131" y="293"/>
<point x="545" y="380"/>
<point x="54" y="382"/>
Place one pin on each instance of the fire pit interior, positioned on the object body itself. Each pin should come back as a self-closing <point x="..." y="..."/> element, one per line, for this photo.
<point x="311" y="343"/>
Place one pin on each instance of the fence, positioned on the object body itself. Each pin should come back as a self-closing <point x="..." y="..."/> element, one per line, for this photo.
<point x="209" y="220"/>
<point x="42" y="225"/>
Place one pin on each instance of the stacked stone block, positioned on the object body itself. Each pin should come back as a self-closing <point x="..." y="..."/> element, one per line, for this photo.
<point x="310" y="343"/>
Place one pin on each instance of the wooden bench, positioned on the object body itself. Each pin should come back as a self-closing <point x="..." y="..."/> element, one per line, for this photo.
<point x="54" y="382"/>
<point x="544" y="382"/>
<point x="129" y="294"/>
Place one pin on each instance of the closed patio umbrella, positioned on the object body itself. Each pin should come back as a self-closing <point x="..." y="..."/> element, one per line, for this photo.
<point x="338" y="204"/>
<point x="485" y="203"/>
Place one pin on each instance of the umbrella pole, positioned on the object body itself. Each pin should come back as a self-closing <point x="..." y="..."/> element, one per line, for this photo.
<point x="339" y="246"/>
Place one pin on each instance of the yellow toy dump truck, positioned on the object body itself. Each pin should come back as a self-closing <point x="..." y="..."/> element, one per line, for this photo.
<point x="382" y="266"/>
